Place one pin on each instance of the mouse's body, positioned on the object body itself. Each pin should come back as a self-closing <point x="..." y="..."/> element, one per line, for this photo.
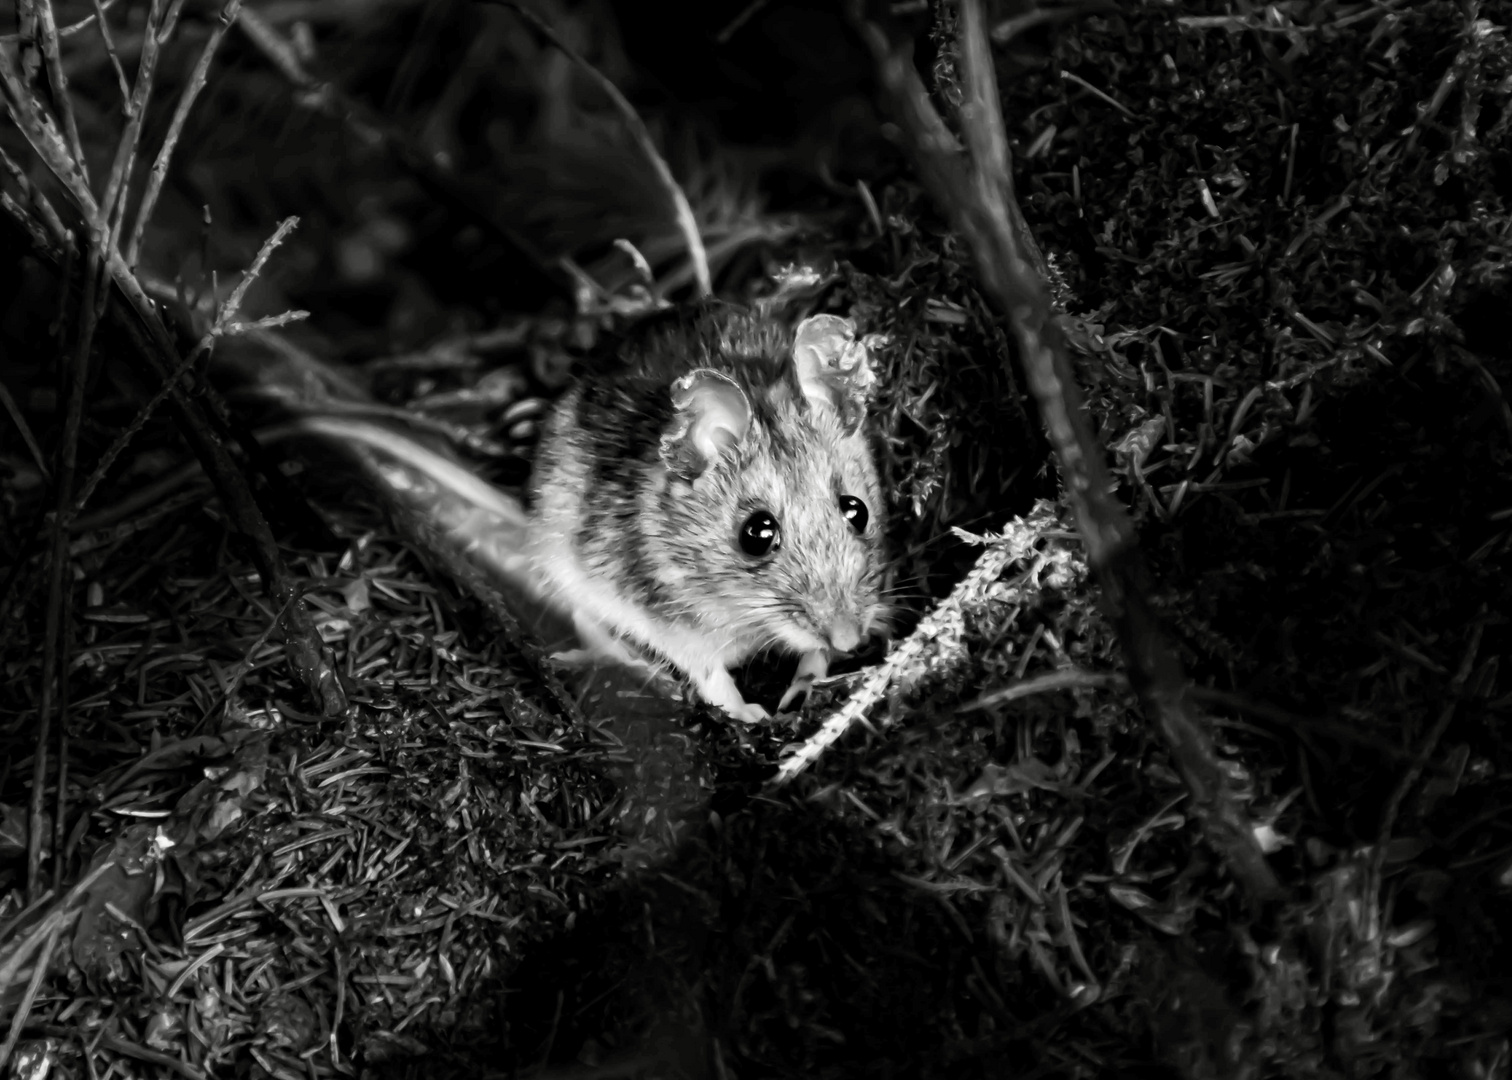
<point x="715" y="495"/>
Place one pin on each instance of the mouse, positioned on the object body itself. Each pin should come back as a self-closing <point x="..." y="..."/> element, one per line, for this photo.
<point x="713" y="494"/>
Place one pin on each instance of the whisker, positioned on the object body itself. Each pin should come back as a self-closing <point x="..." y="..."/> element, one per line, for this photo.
<point x="910" y="594"/>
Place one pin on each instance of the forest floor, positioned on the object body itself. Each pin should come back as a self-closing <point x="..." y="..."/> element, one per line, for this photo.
<point x="1282" y="248"/>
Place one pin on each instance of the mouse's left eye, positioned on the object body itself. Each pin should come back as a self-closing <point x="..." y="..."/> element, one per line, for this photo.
<point x="855" y="512"/>
<point x="760" y="534"/>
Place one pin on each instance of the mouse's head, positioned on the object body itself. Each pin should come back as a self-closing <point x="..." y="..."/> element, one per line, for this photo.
<point x="774" y="487"/>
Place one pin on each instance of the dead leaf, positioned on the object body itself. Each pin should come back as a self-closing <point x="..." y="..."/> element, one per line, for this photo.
<point x="100" y="939"/>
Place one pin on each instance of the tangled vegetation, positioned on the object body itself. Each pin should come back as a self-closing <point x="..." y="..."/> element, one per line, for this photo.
<point x="392" y="839"/>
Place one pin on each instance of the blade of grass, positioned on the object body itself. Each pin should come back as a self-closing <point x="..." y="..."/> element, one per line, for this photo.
<point x="19" y="419"/>
<point x="642" y="136"/>
<point x="115" y="57"/>
<point x="57" y="80"/>
<point x="159" y="172"/>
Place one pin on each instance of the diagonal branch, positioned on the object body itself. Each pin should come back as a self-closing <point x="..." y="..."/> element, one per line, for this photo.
<point x="44" y="137"/>
<point x="976" y="194"/>
<point x="41" y="204"/>
<point x="115" y="57"/>
<point x="57" y="79"/>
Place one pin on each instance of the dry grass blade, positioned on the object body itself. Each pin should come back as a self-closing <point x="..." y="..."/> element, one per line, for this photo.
<point x="1411" y="776"/>
<point x="223" y="323"/>
<point x="17" y="418"/>
<point x="110" y="51"/>
<point x="1050" y="681"/>
<point x="232" y="304"/>
<point x="1008" y="274"/>
<point x="36" y="946"/>
<point x="159" y="28"/>
<point x="71" y="29"/>
<point x="176" y="127"/>
<point x="45" y="139"/>
<point x="685" y="220"/>
<point x="57" y="79"/>
<point x="54" y="695"/>
<point x="267" y="322"/>
<point x="58" y="234"/>
<point x="152" y="1057"/>
<point x="23" y="1010"/>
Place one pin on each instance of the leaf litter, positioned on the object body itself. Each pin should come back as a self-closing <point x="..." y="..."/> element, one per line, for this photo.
<point x="1284" y="258"/>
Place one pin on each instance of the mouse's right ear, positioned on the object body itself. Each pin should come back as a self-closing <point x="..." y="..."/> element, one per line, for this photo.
<point x="711" y="416"/>
<point x="833" y="367"/>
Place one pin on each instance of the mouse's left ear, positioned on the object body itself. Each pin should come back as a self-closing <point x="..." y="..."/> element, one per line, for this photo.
<point x="711" y="416"/>
<point x="833" y="368"/>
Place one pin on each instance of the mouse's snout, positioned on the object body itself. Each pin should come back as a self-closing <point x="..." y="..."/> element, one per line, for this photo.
<point x="844" y="635"/>
<point x="844" y="621"/>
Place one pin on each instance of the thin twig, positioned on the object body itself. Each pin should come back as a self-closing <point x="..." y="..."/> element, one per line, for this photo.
<point x="66" y="31"/>
<point x="1050" y="681"/>
<point x="38" y="236"/>
<point x="970" y="196"/>
<point x="44" y="137"/>
<point x="115" y="58"/>
<point x="1414" y="773"/>
<point x="152" y="1057"/>
<point x="642" y="136"/>
<point x="39" y="941"/>
<point x="33" y="985"/>
<point x="55" y="641"/>
<point x="19" y="419"/>
<point x="232" y="303"/>
<point x="223" y="317"/>
<point x="267" y="322"/>
<point x="19" y="949"/>
<point x="1008" y="29"/>
<point x="159" y="28"/>
<point x="57" y="80"/>
<point x="741" y="18"/>
<point x="60" y="794"/>
<point x="176" y="127"/>
<point x="1071" y="77"/>
<point x="39" y="201"/>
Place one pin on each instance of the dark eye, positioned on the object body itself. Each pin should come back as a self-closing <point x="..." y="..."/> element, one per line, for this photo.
<point x="855" y="512"/>
<point x="760" y="535"/>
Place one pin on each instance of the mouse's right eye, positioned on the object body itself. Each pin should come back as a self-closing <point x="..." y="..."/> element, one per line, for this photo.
<point x="760" y="534"/>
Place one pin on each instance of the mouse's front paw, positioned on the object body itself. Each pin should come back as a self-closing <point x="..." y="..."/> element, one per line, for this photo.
<point x="811" y="666"/>
<point x="575" y="658"/>
<point x="747" y="712"/>
<point x="796" y="694"/>
<point x="715" y="686"/>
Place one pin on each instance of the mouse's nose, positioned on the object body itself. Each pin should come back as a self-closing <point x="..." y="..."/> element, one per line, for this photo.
<point x="844" y="635"/>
